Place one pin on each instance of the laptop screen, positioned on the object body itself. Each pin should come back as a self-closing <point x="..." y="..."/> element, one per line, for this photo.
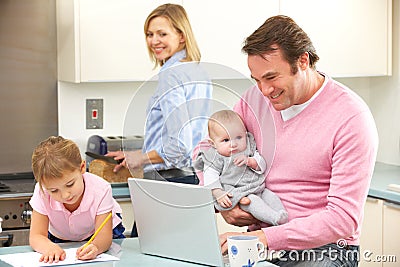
<point x="176" y="221"/>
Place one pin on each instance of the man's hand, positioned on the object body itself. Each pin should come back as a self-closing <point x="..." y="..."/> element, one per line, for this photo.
<point x="237" y="216"/>
<point x="224" y="237"/>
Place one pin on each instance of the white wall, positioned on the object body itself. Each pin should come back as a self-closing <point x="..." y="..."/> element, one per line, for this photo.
<point x="382" y="94"/>
<point x="117" y="97"/>
<point x="72" y="109"/>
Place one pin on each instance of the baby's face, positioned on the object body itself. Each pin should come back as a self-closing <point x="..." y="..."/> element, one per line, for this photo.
<point x="229" y="138"/>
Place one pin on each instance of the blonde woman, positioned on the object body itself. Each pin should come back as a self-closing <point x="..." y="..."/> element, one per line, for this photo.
<point x="178" y="110"/>
<point x="182" y="95"/>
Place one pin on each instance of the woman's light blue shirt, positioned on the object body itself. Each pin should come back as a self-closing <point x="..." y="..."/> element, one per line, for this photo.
<point x="178" y="112"/>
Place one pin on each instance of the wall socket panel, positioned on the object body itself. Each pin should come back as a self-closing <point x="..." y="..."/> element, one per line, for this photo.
<point x="94" y="113"/>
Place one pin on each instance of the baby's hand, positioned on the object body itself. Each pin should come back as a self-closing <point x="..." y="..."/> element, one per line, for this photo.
<point x="87" y="253"/>
<point x="240" y="160"/>
<point x="244" y="160"/>
<point x="54" y="253"/>
<point x="222" y="197"/>
<point x="225" y="201"/>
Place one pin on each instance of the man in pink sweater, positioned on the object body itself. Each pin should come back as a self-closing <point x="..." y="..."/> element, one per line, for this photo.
<point x="320" y="142"/>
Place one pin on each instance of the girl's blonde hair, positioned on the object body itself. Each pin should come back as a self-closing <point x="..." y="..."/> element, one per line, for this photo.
<point x="53" y="157"/>
<point x="179" y="20"/>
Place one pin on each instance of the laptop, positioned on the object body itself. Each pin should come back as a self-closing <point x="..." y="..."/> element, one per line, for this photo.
<point x="176" y="221"/>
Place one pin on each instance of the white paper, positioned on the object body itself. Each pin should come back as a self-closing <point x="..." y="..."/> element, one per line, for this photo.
<point x="31" y="259"/>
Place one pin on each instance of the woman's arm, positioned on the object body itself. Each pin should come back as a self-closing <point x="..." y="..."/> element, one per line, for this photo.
<point x="39" y="241"/>
<point x="134" y="159"/>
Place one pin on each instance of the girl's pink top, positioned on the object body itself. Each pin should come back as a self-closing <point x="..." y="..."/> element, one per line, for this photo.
<point x="80" y="224"/>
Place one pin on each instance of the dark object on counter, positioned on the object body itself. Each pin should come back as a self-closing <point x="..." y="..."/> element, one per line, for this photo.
<point x="102" y="144"/>
<point x="172" y="175"/>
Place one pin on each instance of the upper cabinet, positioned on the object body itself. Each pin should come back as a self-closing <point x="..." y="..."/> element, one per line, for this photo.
<point x="352" y="37"/>
<point x="220" y="28"/>
<point x="102" y="40"/>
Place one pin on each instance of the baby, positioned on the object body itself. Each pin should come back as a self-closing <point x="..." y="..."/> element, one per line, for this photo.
<point x="233" y="169"/>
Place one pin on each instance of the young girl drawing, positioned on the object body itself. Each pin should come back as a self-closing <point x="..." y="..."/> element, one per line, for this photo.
<point x="69" y="204"/>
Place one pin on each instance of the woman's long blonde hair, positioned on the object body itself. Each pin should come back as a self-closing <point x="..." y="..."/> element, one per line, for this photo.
<point x="178" y="18"/>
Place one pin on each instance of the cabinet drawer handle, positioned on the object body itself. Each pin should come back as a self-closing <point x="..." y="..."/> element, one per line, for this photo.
<point x="392" y="205"/>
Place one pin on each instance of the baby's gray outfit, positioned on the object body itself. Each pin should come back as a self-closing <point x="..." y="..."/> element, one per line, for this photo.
<point x="242" y="181"/>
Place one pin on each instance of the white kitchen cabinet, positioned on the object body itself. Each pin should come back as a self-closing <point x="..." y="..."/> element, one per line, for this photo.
<point x="102" y="40"/>
<point x="353" y="38"/>
<point x="391" y="234"/>
<point x="127" y="214"/>
<point x="371" y="237"/>
<point x="380" y="234"/>
<point x="222" y="26"/>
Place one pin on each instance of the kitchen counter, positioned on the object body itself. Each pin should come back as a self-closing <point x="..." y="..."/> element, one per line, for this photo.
<point x="384" y="174"/>
<point x="127" y="250"/>
<point x="120" y="191"/>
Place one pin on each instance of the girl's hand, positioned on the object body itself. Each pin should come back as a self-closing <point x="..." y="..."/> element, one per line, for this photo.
<point x="89" y="252"/>
<point x="53" y="253"/>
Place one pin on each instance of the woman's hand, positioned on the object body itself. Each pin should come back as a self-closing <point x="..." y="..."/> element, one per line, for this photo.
<point x="224" y="237"/>
<point x="131" y="159"/>
<point x="89" y="252"/>
<point x="134" y="159"/>
<point x="117" y="155"/>
<point x="53" y="253"/>
<point x="237" y="216"/>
